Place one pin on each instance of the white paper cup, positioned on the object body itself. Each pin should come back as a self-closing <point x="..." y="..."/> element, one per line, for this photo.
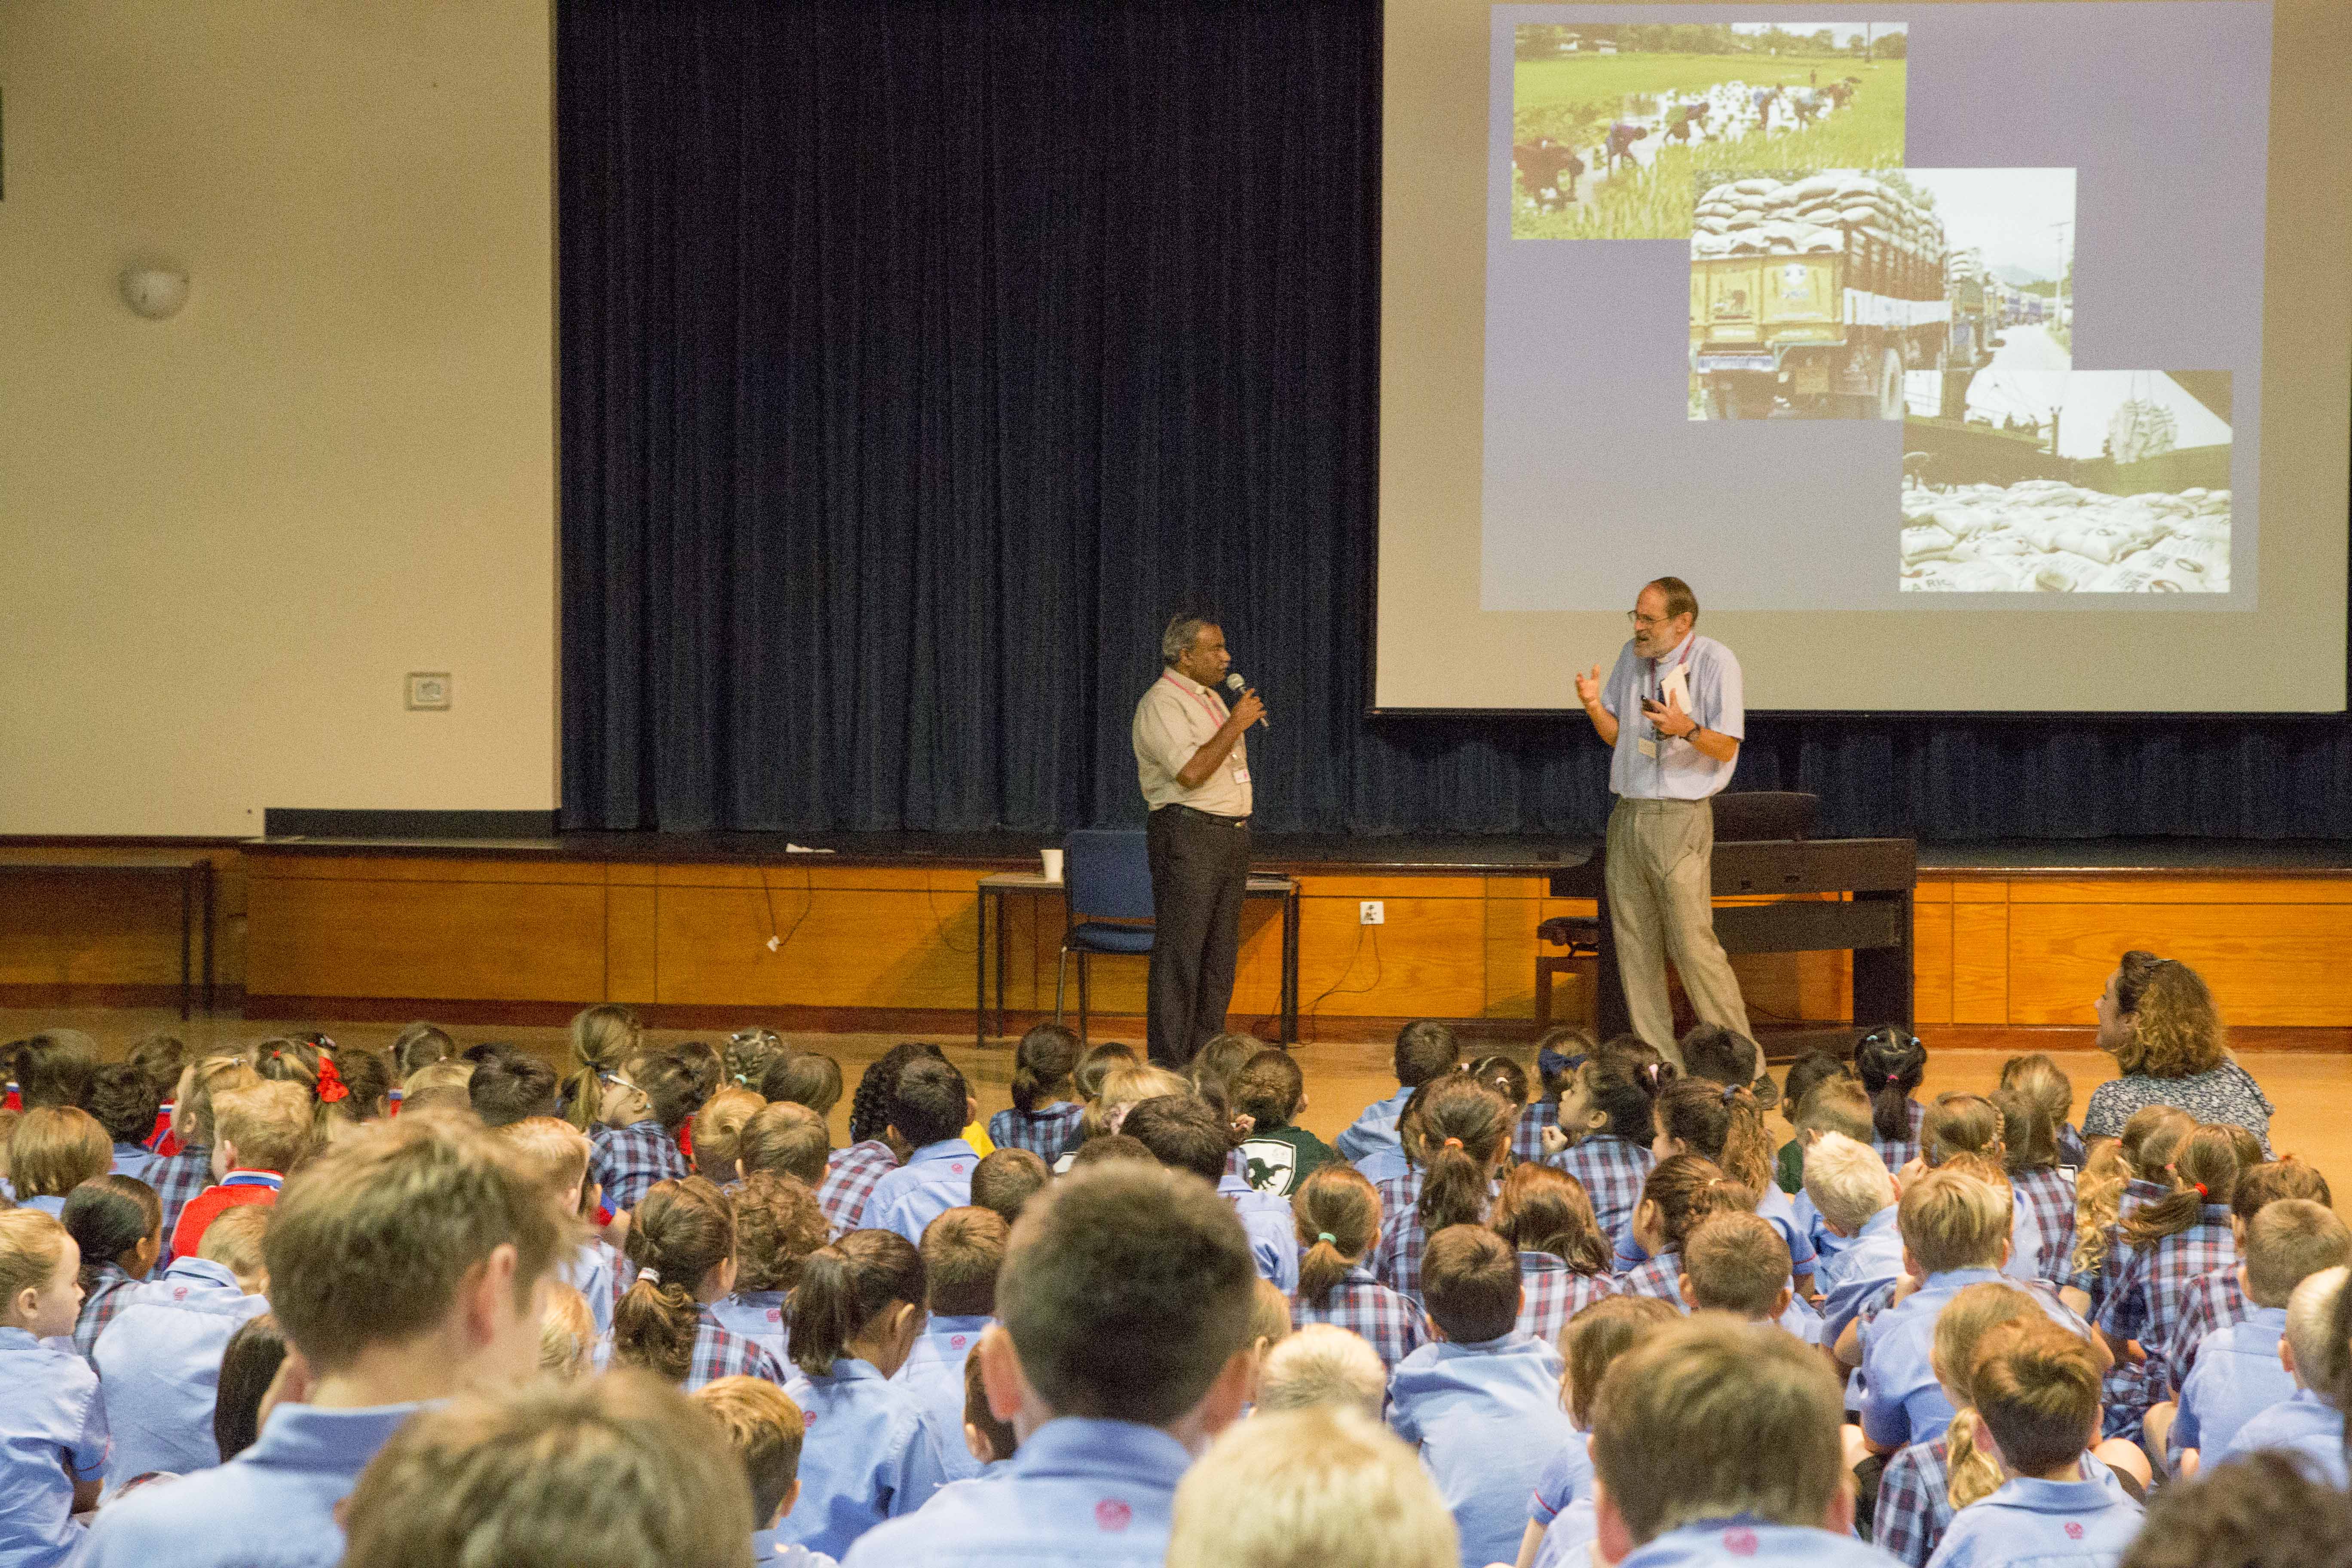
<point x="1053" y="858"/>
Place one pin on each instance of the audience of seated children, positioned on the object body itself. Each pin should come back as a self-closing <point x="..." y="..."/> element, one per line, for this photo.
<point x="1607" y="1121"/>
<point x="2216" y="1298"/>
<point x="2173" y="1239"/>
<point x="653" y="1095"/>
<point x="1182" y="1129"/>
<point x="2260" y="1511"/>
<point x="2042" y="1190"/>
<point x="1681" y="1191"/>
<point x="1338" y="1218"/>
<point x="2034" y="1392"/>
<point x="1834" y="1105"/>
<point x="962" y="1251"/>
<point x="445" y="1084"/>
<point x="179" y="1177"/>
<point x="1124" y="1307"/>
<point x="1718" y="1442"/>
<point x="777" y="1226"/>
<point x="53" y="1434"/>
<point x="569" y="1343"/>
<point x="2310" y="1422"/>
<point x="1424" y="1050"/>
<point x="1319" y="1486"/>
<point x="765" y="1429"/>
<point x="1561" y="1520"/>
<point x="260" y="1135"/>
<point x="1044" y="1117"/>
<point x="1729" y="1264"/>
<point x="2121" y="1175"/>
<point x="1005" y="1181"/>
<point x="510" y="1085"/>
<point x="52" y="1151"/>
<point x="1276" y="1155"/>
<point x="682" y="1243"/>
<point x="1723" y="1123"/>
<point x="2237" y="1371"/>
<point x="856" y="1314"/>
<point x="474" y="1234"/>
<point x="1482" y="1404"/>
<point x="803" y="1078"/>
<point x="1805" y="1074"/>
<point x="160" y="1359"/>
<point x="1459" y="1132"/>
<point x="719" y="1130"/>
<point x="2046" y="1086"/>
<point x="874" y="1149"/>
<point x="556" y="1155"/>
<point x="1890" y="1064"/>
<point x="118" y="1226"/>
<point x="1323" y="1364"/>
<point x="125" y="1103"/>
<point x="785" y="1138"/>
<point x="1560" y="1051"/>
<point x="611" y="1470"/>
<point x="248" y="1366"/>
<point x="1563" y="1259"/>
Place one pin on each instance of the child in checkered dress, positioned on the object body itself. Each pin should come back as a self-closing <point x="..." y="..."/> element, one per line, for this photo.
<point x="1558" y="1054"/>
<point x="1339" y="1217"/>
<point x="1725" y="1123"/>
<point x="682" y="1241"/>
<point x="1890" y="1064"/>
<point x="872" y="1153"/>
<point x="2045" y="1084"/>
<point x="2180" y="1235"/>
<point x="177" y="1178"/>
<point x="1607" y="1121"/>
<point x="1045" y="1109"/>
<point x="1563" y="1261"/>
<point x="2216" y="1298"/>
<point x="2120" y="1177"/>
<point x="1461" y="1132"/>
<point x="118" y="1224"/>
<point x="2043" y="1192"/>
<point x="1681" y="1192"/>
<point x="643" y="1105"/>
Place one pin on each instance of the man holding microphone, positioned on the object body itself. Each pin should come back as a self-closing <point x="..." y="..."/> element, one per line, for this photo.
<point x="1193" y="765"/>
<point x="1671" y="711"/>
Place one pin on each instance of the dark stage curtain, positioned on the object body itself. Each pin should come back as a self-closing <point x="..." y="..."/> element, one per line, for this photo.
<point x="919" y="359"/>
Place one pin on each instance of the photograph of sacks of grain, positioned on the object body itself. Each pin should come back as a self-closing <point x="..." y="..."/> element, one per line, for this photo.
<point x="1611" y="121"/>
<point x="1815" y="295"/>
<point x="2086" y="481"/>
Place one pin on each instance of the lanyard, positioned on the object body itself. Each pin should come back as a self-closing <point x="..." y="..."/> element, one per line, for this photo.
<point x="1659" y="675"/>
<point x="1214" y="717"/>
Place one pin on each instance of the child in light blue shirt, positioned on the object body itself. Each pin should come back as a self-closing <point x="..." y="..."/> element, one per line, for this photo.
<point x="962" y="1251"/>
<point x="1321" y="1485"/>
<point x="856" y="1313"/>
<point x="778" y="1223"/>
<point x="52" y="1420"/>
<point x="1425" y="1048"/>
<point x="2306" y="1423"/>
<point x="1591" y="1344"/>
<point x="1483" y="1405"/>
<point x="159" y="1358"/>
<point x="765" y="1428"/>
<point x="930" y="1107"/>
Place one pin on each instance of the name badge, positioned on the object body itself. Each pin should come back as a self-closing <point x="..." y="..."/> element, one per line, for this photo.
<point x="1241" y="775"/>
<point x="1647" y="748"/>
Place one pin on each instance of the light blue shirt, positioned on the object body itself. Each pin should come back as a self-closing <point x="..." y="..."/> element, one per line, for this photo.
<point x="1374" y="1132"/>
<point x="767" y="1552"/>
<point x="1079" y="1494"/>
<point x="1775" y="1206"/>
<point x="52" y="1434"/>
<point x="1272" y="1232"/>
<point x="1566" y="1477"/>
<point x="868" y="1456"/>
<point x="49" y="1204"/>
<point x="1871" y="1260"/>
<point x="2066" y="1524"/>
<point x="2304" y="1424"/>
<point x="159" y="1362"/>
<point x="1568" y="1539"/>
<point x="590" y="1272"/>
<point x="1680" y="771"/>
<point x="2236" y="1378"/>
<point x="1903" y="1402"/>
<point x="1486" y="1418"/>
<point x="759" y="1315"/>
<point x="936" y="1178"/>
<point x="1827" y="1244"/>
<point x="1746" y="1541"/>
<point x="934" y="1375"/>
<point x="273" y="1506"/>
<point x="131" y="1159"/>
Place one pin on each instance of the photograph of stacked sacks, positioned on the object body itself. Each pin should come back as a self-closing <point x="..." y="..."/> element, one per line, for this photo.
<point x="1814" y="215"/>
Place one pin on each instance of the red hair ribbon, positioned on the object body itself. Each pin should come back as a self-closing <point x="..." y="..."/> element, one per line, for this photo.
<point x="2199" y="1186"/>
<point x="331" y="1087"/>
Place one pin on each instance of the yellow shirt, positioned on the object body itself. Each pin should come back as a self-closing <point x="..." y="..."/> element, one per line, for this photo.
<point x="1175" y="719"/>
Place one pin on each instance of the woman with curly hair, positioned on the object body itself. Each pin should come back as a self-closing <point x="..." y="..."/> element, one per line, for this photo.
<point x="2158" y="1020"/>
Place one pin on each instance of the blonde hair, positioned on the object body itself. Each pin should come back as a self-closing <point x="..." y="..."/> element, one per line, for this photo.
<point x="237" y="1238"/>
<point x="2146" y="1145"/>
<point x="602" y="1038"/>
<point x="1836" y="1105"/>
<point x="1951" y="1219"/>
<point x="1962" y="1123"/>
<point x="1960" y="1327"/>
<point x="554" y="1151"/>
<point x="55" y="1149"/>
<point x="766" y="1430"/>
<point x="1269" y="1314"/>
<point x="2043" y="1082"/>
<point x="449" y="1072"/>
<point x="2310" y="1330"/>
<point x="269" y="1124"/>
<point x="1124" y="1088"/>
<point x="1846" y="1180"/>
<point x="2287" y="1242"/>
<point x="719" y="1130"/>
<point x="223" y="1072"/>
<point x="567" y="1334"/>
<point x="1323" y="1364"/>
<point x="1304" y="1489"/>
<point x="32" y="1244"/>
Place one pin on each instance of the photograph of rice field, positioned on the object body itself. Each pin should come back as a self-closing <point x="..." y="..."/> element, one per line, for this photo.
<point x="1612" y="123"/>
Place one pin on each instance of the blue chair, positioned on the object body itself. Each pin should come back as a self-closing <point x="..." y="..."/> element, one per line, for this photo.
<point x="1106" y="885"/>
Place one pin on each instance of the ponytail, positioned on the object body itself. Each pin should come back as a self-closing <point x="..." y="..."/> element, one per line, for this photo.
<point x="1623" y="1084"/>
<point x="107" y="1216"/>
<point x="1465" y="1127"/>
<point x="601" y="1037"/>
<point x="683" y="1229"/>
<point x="1962" y="1123"/>
<point x="844" y="1287"/>
<point x="1338" y="1213"/>
<point x="1891" y="1063"/>
<point x="1042" y="1063"/>
<point x="1722" y="1124"/>
<point x="1975" y="1475"/>
<point x="2204" y="1171"/>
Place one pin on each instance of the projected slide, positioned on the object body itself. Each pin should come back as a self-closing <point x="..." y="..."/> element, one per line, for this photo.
<point x="1873" y="312"/>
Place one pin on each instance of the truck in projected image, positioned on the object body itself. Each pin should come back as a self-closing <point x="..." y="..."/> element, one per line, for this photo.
<point x="1810" y="297"/>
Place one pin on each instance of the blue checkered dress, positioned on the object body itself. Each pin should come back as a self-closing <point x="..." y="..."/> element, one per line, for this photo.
<point x="2048" y="1197"/>
<point x="1526" y="1137"/>
<point x="719" y="1353"/>
<point x="1915" y="1502"/>
<point x="176" y="1178"/>
<point x="1049" y="1133"/>
<point x="627" y="1161"/>
<point x="99" y="1307"/>
<point x="1899" y="1153"/>
<point x="1396" y="1258"/>
<point x="1360" y="1304"/>
<point x="2146" y="1307"/>
<point x="2100" y="1284"/>
<point x="1550" y="1293"/>
<point x="1661" y="1276"/>
<point x="1613" y="1170"/>
<point x="849" y="1178"/>
<point x="2213" y="1300"/>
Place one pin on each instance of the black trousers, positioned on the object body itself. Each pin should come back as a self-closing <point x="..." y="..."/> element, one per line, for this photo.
<point x="1200" y="871"/>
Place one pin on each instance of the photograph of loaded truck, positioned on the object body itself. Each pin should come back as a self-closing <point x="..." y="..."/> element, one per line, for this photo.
<point x="1813" y="296"/>
<point x="1611" y="121"/>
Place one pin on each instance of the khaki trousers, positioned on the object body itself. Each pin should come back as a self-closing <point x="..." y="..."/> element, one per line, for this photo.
<point x="1659" y="883"/>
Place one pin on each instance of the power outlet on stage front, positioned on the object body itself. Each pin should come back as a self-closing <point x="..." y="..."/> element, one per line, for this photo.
<point x="1372" y="912"/>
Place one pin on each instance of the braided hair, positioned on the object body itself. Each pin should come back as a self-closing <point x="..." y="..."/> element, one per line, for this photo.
<point x="869" y="1108"/>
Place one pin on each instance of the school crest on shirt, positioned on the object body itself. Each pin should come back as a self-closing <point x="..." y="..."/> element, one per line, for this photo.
<point x="1269" y="1164"/>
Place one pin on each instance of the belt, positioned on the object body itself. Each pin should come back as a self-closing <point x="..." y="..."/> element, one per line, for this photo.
<point x="1206" y="815"/>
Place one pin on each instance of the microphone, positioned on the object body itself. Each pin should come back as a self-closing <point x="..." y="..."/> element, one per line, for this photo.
<point x="1236" y="684"/>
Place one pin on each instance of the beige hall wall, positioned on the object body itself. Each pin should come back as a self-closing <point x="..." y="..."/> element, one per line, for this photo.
<point x="225" y="537"/>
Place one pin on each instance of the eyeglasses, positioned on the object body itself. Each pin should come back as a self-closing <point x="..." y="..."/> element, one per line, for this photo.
<point x="614" y="1080"/>
<point x="1640" y="619"/>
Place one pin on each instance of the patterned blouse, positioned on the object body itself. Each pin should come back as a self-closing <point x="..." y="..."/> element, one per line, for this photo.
<point x="2228" y="1094"/>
